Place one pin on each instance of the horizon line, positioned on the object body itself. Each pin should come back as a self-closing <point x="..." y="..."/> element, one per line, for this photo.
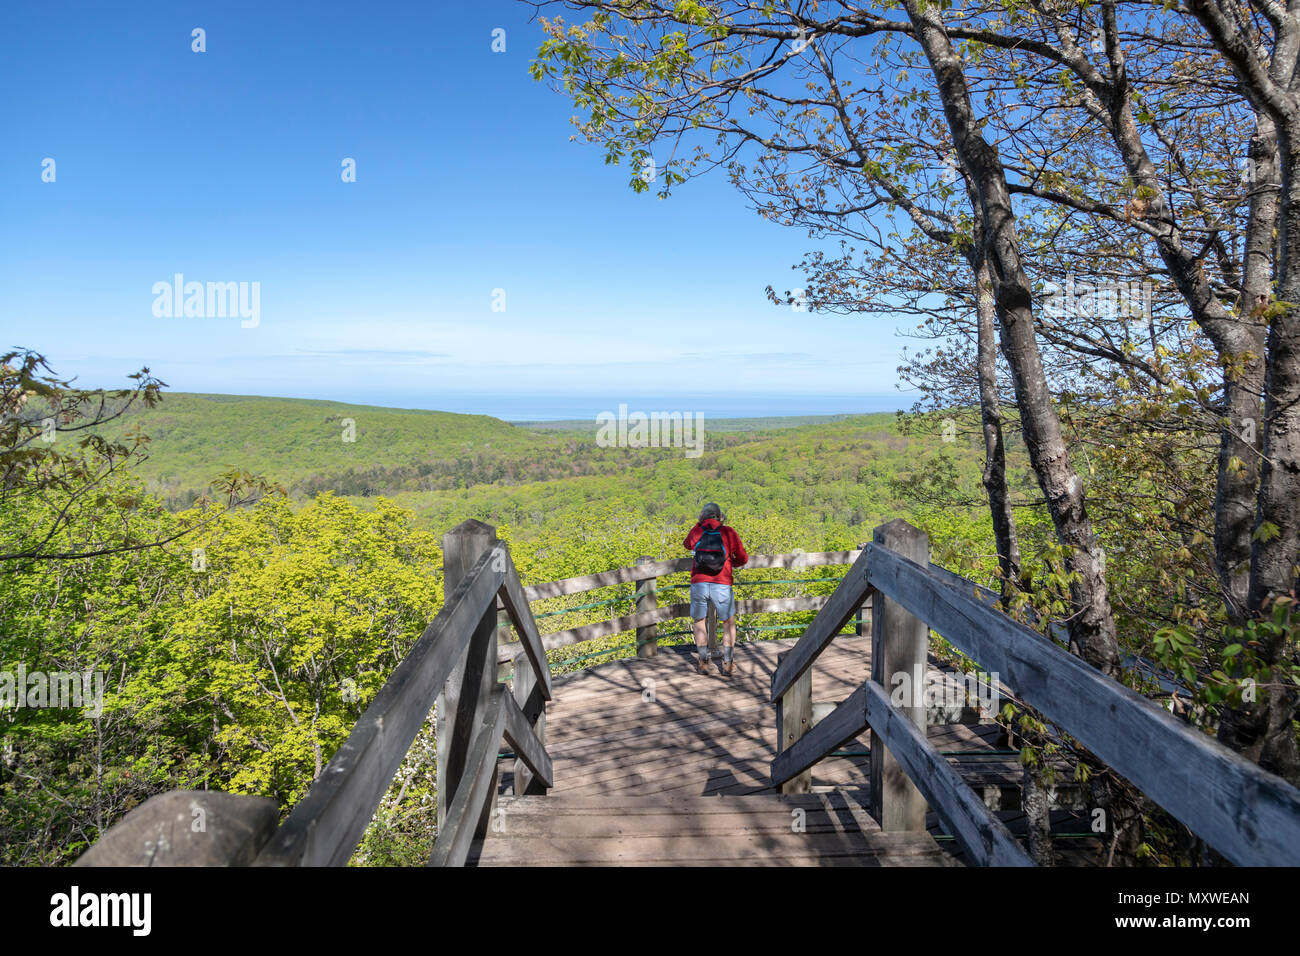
<point x="571" y="415"/>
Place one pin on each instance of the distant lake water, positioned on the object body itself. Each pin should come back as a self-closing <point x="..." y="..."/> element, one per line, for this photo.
<point x="542" y="408"/>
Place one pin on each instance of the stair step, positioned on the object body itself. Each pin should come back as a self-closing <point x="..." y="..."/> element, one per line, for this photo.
<point x="806" y="849"/>
<point x="826" y="829"/>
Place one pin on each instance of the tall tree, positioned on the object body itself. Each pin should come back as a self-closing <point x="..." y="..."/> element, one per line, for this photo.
<point x="645" y="73"/>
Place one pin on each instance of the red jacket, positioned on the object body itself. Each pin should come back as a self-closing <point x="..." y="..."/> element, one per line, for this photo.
<point x="736" y="554"/>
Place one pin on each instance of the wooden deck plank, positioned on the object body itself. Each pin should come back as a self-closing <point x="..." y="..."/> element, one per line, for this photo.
<point x="640" y="777"/>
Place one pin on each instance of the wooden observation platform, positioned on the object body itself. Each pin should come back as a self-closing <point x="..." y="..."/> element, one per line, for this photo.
<point x="807" y="755"/>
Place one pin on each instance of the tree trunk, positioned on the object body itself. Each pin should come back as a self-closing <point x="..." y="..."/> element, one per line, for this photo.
<point x="1260" y="730"/>
<point x="1243" y="382"/>
<point x="1238" y="339"/>
<point x="1275" y="552"/>
<point x="1264" y="731"/>
<point x="1092" y="626"/>
<point x="995" y="453"/>
<point x="1038" y="819"/>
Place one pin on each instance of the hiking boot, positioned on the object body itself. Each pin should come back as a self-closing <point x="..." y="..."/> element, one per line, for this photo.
<point x="701" y="667"/>
<point x="728" y="668"/>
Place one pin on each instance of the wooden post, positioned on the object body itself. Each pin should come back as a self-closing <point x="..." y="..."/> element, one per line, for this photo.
<point x="647" y="638"/>
<point x="711" y="625"/>
<point x="863" y="628"/>
<point x="900" y="644"/>
<point x="528" y="695"/>
<point x="793" y="720"/>
<point x="504" y="628"/>
<point x="472" y="680"/>
<point x="505" y="632"/>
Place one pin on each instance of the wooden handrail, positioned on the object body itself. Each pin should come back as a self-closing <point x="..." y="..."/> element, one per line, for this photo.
<point x="326" y="825"/>
<point x="479" y="711"/>
<point x="658" y="569"/>
<point x="658" y="615"/>
<point x="1245" y="813"/>
<point x="1188" y="773"/>
<point x="845" y="722"/>
<point x="519" y="734"/>
<point x="474" y="793"/>
<point x="532" y="775"/>
<point x="830" y="620"/>
<point x="650" y="613"/>
<point x="980" y="833"/>
<point x="521" y="616"/>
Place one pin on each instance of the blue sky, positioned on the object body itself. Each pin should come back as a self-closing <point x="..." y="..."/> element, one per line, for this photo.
<point x="224" y="166"/>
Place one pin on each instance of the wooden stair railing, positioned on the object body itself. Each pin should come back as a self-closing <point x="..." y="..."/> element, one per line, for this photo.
<point x="650" y="613"/>
<point x="1245" y="813"/>
<point x="454" y="661"/>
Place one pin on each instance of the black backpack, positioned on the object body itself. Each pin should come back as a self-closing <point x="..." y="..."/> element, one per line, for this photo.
<point x="710" y="552"/>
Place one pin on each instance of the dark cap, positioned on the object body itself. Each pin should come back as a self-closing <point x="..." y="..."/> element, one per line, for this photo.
<point x="711" y="510"/>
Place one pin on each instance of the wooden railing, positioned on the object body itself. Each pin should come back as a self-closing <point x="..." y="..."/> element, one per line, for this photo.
<point x="645" y="575"/>
<point x="1248" y="815"/>
<point x="454" y="661"/>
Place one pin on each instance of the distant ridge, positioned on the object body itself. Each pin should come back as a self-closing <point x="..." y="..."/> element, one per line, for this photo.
<point x="423" y="456"/>
<point x="757" y="423"/>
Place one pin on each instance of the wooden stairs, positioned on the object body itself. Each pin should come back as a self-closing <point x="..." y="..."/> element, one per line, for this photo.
<point x="658" y="765"/>
<point x="644" y="761"/>
<point x="813" y="829"/>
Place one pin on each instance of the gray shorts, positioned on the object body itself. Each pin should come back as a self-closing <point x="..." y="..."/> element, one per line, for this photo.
<point x="702" y="592"/>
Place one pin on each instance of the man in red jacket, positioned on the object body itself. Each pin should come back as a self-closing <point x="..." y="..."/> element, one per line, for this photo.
<point x="717" y="550"/>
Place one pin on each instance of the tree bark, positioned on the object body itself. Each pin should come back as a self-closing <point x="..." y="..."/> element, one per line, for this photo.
<point x="1238" y="339"/>
<point x="995" y="453"/>
<point x="1243" y="381"/>
<point x="1264" y="731"/>
<point x="1092" y="626"/>
<point x="1038" y="819"/>
<point x="1274" y="554"/>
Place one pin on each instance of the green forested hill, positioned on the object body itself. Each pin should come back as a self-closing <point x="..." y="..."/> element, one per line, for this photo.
<point x="825" y="477"/>
<point x="243" y="649"/>
<point x="195" y="437"/>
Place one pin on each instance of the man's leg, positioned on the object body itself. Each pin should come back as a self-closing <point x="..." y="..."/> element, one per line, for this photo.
<point x="729" y="632"/>
<point x="699" y="613"/>
<point x="702" y="641"/>
<point x="728" y="644"/>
